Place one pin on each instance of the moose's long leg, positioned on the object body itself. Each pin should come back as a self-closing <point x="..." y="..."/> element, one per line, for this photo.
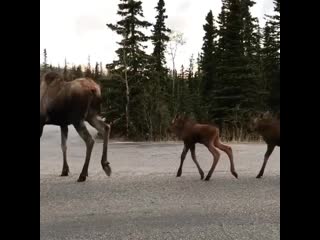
<point x="194" y="158"/>
<point x="183" y="157"/>
<point x="216" y="155"/>
<point x="228" y="151"/>
<point x="85" y="135"/>
<point x="64" y="137"/>
<point x="266" y="157"/>
<point x="104" y="130"/>
<point x="41" y="130"/>
<point x="42" y="123"/>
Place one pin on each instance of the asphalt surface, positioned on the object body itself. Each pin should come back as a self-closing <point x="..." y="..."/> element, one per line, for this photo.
<point x="144" y="200"/>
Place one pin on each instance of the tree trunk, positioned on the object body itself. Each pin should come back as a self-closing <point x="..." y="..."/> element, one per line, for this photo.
<point x="127" y="90"/>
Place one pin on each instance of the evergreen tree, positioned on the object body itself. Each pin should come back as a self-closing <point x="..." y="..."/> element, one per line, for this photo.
<point x="158" y="73"/>
<point x="251" y="46"/>
<point x="208" y="64"/>
<point x="271" y="57"/>
<point x="132" y="62"/>
<point x="195" y="89"/>
<point x="97" y="73"/>
<point x="45" y="60"/>
<point x="271" y="67"/>
<point x="159" y="37"/>
<point x="229" y="94"/>
<point x="249" y="25"/>
<point x="238" y="64"/>
<point x="88" y="72"/>
<point x="78" y="72"/>
<point x="65" y="71"/>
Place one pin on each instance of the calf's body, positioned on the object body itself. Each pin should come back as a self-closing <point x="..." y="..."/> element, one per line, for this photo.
<point x="192" y="133"/>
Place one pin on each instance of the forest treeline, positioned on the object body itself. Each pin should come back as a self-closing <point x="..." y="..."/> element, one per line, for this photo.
<point x="236" y="73"/>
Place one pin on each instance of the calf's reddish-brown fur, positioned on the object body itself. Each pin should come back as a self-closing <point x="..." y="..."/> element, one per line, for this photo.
<point x="191" y="133"/>
<point x="269" y="128"/>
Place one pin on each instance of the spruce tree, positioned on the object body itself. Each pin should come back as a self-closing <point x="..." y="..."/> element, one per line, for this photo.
<point x="65" y="70"/>
<point x="79" y="73"/>
<point x="45" y="60"/>
<point x="208" y="64"/>
<point x="88" y="72"/>
<point x="271" y="58"/>
<point x="158" y="73"/>
<point x="160" y="37"/>
<point x="97" y="73"/>
<point x="131" y="63"/>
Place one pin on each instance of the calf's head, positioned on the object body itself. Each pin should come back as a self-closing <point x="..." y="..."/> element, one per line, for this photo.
<point x="254" y="120"/>
<point x="177" y="124"/>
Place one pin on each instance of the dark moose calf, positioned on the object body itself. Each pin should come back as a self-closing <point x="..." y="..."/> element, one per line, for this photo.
<point x="269" y="128"/>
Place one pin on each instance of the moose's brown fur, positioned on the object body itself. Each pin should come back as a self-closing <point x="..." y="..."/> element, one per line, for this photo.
<point x="191" y="133"/>
<point x="72" y="103"/>
<point x="269" y="128"/>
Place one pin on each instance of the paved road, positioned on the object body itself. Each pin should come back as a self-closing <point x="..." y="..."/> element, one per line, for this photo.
<point x="144" y="200"/>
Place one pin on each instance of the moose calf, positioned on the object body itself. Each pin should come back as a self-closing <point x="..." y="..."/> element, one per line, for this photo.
<point x="191" y="133"/>
<point x="269" y="128"/>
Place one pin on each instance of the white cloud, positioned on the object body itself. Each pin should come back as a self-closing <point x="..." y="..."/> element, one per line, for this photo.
<point x="77" y="28"/>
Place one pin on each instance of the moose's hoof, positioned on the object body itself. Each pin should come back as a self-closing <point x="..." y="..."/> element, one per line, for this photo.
<point x="179" y="173"/>
<point x="65" y="173"/>
<point x="202" y="175"/>
<point x="259" y="176"/>
<point x="235" y="174"/>
<point x="107" y="169"/>
<point x="207" y="178"/>
<point x="82" y="178"/>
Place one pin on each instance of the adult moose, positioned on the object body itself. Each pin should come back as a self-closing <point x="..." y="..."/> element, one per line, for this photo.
<point x="191" y="133"/>
<point x="269" y="128"/>
<point x="72" y="103"/>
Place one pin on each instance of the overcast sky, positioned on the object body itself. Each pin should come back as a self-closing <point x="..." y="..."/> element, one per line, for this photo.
<point x="77" y="28"/>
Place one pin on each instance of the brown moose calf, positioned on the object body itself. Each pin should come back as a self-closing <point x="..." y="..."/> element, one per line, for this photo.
<point x="191" y="133"/>
<point x="269" y="128"/>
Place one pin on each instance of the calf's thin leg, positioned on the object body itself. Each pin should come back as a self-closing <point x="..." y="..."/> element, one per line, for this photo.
<point x="266" y="157"/>
<point x="216" y="155"/>
<point x="194" y="158"/>
<point x="85" y="135"/>
<point x="183" y="157"/>
<point x="64" y="137"/>
<point x="228" y="151"/>
<point x="104" y="130"/>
